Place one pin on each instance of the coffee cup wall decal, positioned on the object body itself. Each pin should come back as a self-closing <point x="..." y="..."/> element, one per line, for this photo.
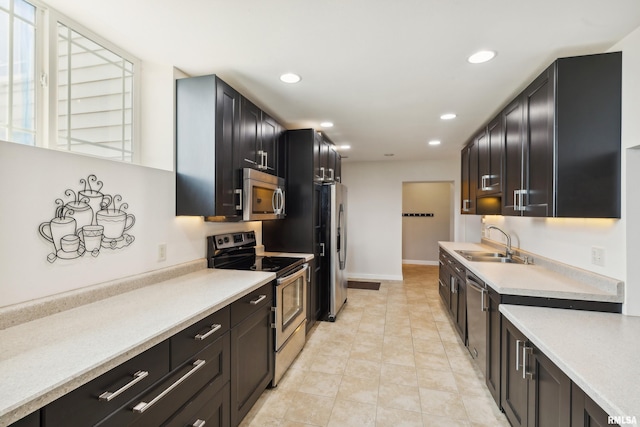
<point x="89" y="221"/>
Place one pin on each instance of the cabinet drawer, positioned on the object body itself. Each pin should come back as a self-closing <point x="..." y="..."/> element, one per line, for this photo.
<point x="196" y="337"/>
<point x="210" y="407"/>
<point x="155" y="406"/>
<point x="84" y="406"/>
<point x="31" y="420"/>
<point x="251" y="303"/>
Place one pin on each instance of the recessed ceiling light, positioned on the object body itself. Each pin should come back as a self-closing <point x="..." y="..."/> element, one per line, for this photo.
<point x="290" y="78"/>
<point x="481" y="56"/>
<point x="434" y="142"/>
<point x="326" y="124"/>
<point x="344" y="147"/>
<point x="389" y="155"/>
<point x="448" y="116"/>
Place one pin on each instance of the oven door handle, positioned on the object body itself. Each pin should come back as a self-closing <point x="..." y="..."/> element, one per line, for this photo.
<point x="293" y="276"/>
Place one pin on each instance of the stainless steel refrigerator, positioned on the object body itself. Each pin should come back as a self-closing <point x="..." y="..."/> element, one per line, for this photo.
<point x="334" y="225"/>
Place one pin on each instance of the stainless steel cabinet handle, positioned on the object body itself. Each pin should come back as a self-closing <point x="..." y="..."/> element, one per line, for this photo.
<point x="518" y="343"/>
<point x="108" y="396"/>
<point x="525" y="374"/>
<point x="452" y="285"/>
<point x="143" y="406"/>
<point x="322" y="174"/>
<point x="258" y="300"/>
<point x="458" y="270"/>
<point x="238" y="191"/>
<point x="483" y="306"/>
<point x="321" y="249"/>
<point x="214" y="328"/>
<point x="198" y="423"/>
<point x="330" y="174"/>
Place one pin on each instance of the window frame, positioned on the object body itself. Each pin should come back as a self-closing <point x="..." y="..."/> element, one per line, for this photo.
<point x="46" y="78"/>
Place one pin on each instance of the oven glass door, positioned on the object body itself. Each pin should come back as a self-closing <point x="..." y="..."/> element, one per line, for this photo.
<point x="291" y="303"/>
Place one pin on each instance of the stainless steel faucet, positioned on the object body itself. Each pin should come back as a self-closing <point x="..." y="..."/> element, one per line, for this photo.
<point x="508" y="251"/>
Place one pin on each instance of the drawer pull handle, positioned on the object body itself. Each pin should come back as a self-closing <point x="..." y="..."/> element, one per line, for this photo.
<point x="214" y="328"/>
<point x="198" y="423"/>
<point x="143" y="406"/>
<point x="258" y="300"/>
<point x="108" y="396"/>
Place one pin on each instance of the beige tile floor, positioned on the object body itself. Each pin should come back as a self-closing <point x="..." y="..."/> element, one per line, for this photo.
<point x="392" y="358"/>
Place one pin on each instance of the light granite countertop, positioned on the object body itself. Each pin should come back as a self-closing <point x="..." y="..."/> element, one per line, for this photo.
<point x="542" y="279"/>
<point x="598" y="351"/>
<point x="43" y="359"/>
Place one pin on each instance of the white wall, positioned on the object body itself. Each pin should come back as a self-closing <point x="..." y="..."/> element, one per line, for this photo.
<point x="30" y="181"/>
<point x="420" y="235"/>
<point x="630" y="47"/>
<point x="375" y="212"/>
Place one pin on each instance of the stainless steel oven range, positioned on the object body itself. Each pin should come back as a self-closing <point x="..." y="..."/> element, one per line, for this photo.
<point x="236" y="251"/>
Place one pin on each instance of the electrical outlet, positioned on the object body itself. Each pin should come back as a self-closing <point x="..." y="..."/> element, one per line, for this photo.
<point x="162" y="252"/>
<point x="597" y="256"/>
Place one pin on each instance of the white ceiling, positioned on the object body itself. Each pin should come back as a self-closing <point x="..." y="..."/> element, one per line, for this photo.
<point x="382" y="70"/>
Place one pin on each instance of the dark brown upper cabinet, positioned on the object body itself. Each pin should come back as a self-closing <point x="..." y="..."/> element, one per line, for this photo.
<point x="257" y="146"/>
<point x="207" y="128"/>
<point x="555" y="150"/>
<point x="490" y="143"/>
<point x="571" y="140"/>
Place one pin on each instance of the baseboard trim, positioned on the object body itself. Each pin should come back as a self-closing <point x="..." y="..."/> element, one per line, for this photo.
<point x="419" y="262"/>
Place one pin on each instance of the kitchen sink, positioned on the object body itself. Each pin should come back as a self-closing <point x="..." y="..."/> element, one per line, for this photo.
<point x="484" y="256"/>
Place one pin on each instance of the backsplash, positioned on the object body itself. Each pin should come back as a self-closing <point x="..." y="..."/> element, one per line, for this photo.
<point x="29" y="190"/>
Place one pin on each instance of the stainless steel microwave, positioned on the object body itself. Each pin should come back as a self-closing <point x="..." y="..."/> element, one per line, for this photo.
<point x="263" y="196"/>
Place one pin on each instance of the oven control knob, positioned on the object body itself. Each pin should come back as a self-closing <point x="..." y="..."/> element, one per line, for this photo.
<point x="219" y="241"/>
<point x="226" y="240"/>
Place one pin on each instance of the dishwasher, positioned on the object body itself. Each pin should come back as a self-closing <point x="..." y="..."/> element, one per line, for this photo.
<point x="477" y="320"/>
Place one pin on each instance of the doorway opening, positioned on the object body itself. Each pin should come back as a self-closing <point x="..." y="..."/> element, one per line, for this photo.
<point x="427" y="218"/>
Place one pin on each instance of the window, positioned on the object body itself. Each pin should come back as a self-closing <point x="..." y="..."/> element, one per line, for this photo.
<point x="89" y="85"/>
<point x="17" y="71"/>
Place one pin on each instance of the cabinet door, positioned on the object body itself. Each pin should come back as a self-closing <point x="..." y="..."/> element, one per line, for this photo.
<point x="250" y="133"/>
<point x="251" y="361"/>
<point x="513" y="119"/>
<point x="207" y="126"/>
<point x="227" y="129"/>
<point x="490" y="159"/>
<point x="461" y="319"/>
<point x="538" y="145"/>
<point x="271" y="132"/>
<point x="514" y="388"/>
<point x="468" y="178"/>
<point x="585" y="412"/>
<point x="318" y="167"/>
<point x="444" y="286"/>
<point x="493" y="345"/>
<point x="338" y="167"/>
<point x="549" y="392"/>
<point x="324" y="160"/>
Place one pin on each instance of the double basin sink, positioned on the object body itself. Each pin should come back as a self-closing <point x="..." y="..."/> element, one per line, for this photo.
<point x="483" y="256"/>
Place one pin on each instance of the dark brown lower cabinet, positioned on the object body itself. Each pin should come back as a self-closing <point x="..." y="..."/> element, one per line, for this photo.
<point x="534" y="392"/>
<point x="252" y="353"/>
<point x="493" y="345"/>
<point x="585" y="412"/>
